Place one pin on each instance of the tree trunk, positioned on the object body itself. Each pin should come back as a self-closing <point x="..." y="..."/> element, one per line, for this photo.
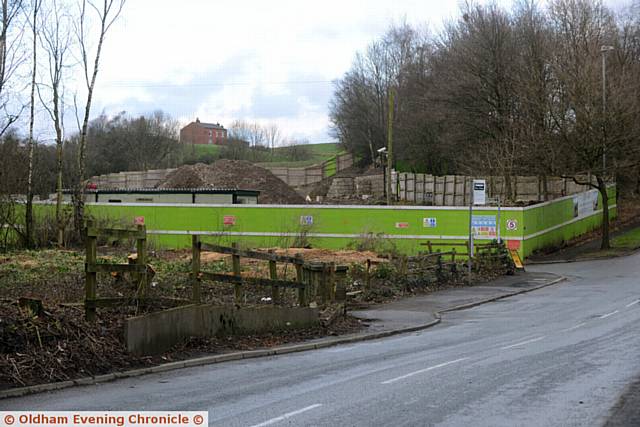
<point x="59" y="219"/>
<point x="545" y="187"/>
<point x="29" y="208"/>
<point x="508" y="190"/>
<point x="602" y="188"/>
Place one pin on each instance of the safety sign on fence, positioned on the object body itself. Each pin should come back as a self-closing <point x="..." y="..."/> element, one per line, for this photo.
<point x="484" y="226"/>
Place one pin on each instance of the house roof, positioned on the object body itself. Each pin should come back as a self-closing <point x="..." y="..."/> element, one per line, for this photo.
<point x="211" y="125"/>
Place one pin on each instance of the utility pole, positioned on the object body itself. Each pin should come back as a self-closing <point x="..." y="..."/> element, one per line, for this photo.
<point x="470" y="228"/>
<point x="392" y="93"/>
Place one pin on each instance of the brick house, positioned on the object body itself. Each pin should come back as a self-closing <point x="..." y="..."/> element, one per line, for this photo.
<point x="203" y="133"/>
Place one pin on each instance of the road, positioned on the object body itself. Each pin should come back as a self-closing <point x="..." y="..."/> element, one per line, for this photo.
<point x="559" y="356"/>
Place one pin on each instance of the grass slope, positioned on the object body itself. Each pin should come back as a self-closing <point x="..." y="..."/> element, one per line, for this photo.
<point x="316" y="154"/>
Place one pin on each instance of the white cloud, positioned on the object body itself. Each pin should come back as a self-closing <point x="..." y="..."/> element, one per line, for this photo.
<point x="226" y="60"/>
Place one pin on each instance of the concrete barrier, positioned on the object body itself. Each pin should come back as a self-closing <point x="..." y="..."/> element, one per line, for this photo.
<point x="157" y="332"/>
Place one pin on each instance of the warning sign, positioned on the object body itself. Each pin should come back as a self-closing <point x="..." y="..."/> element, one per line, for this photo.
<point x="483" y="226"/>
<point x="402" y="225"/>
<point x="229" y="220"/>
<point x="512" y="224"/>
<point x="429" y="222"/>
<point x="306" y="220"/>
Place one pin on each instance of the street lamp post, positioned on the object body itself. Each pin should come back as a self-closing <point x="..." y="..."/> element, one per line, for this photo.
<point x="604" y="50"/>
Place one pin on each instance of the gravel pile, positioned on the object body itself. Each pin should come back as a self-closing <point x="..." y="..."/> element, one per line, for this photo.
<point x="236" y="174"/>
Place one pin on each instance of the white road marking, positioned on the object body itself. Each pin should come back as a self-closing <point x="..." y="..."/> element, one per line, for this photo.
<point x="633" y="303"/>
<point x="430" y="368"/>
<point x="604" y="316"/>
<point x="288" y="415"/>
<point x="540" y="280"/>
<point x="574" y="327"/>
<point x="523" y="343"/>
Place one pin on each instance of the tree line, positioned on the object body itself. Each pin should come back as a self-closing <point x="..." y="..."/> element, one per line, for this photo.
<point x="526" y="90"/>
<point x="51" y="51"/>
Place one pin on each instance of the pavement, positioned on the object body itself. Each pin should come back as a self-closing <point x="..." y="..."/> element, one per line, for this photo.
<point x="411" y="312"/>
<point x="557" y="356"/>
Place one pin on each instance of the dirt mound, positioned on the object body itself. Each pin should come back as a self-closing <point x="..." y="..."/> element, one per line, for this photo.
<point x="237" y="174"/>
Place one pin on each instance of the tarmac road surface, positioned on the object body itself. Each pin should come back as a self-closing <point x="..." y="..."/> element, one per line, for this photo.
<point x="558" y="356"/>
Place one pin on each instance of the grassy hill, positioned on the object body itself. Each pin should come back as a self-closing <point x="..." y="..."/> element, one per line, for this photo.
<point x="291" y="156"/>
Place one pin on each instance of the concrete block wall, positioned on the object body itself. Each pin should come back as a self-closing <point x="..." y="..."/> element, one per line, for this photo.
<point x="158" y="332"/>
<point x="295" y="177"/>
<point x="133" y="179"/>
<point x="451" y="190"/>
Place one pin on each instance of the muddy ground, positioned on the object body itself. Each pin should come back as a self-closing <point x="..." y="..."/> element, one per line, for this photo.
<point x="57" y="344"/>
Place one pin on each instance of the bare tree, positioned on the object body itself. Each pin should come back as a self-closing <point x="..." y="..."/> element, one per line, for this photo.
<point x="272" y="135"/>
<point x="12" y="55"/>
<point x="55" y="39"/>
<point x="250" y="132"/>
<point x="597" y="142"/>
<point x="106" y="12"/>
<point x="35" y="7"/>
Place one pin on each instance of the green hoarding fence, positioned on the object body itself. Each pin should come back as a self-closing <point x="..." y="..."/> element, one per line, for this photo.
<point x="401" y="228"/>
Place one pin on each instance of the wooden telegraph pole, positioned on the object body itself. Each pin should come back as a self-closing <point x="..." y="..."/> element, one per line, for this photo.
<point x="392" y="94"/>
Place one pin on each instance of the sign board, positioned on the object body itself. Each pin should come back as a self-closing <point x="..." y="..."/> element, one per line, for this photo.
<point x="585" y="204"/>
<point x="429" y="222"/>
<point x="139" y="220"/>
<point x="402" y="225"/>
<point x="306" y="220"/>
<point x="229" y="220"/>
<point x="512" y="224"/>
<point x="479" y="192"/>
<point x="484" y="226"/>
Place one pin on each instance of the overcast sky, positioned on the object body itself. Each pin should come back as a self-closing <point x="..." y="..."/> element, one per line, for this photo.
<point x="255" y="60"/>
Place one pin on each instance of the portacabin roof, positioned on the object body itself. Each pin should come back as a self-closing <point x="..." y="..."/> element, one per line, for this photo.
<point x="171" y="191"/>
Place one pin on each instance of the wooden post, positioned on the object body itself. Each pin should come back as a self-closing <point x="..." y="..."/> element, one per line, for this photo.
<point x="90" y="277"/>
<point x="273" y="275"/>
<point x="302" y="302"/>
<point x="332" y="281"/>
<point x="404" y="266"/>
<point x="429" y="246"/>
<point x="141" y="259"/>
<point x="453" y="255"/>
<point x="367" y="275"/>
<point x="195" y="268"/>
<point x="239" y="290"/>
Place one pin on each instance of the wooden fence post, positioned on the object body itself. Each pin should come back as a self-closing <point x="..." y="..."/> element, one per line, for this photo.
<point x="141" y="260"/>
<point x="367" y="275"/>
<point x="332" y="281"/>
<point x="90" y="277"/>
<point x="195" y="268"/>
<point x="302" y="302"/>
<point x="238" y="288"/>
<point x="273" y="275"/>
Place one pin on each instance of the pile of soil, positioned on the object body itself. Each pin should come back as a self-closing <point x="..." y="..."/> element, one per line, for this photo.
<point x="236" y="174"/>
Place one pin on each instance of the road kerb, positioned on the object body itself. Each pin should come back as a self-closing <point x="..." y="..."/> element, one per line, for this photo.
<point x="207" y="360"/>
<point x="498" y="298"/>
